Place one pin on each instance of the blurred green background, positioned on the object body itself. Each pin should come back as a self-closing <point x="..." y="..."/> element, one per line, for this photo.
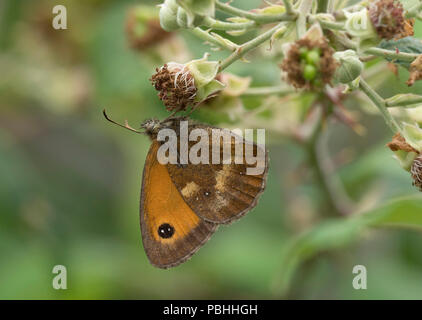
<point x="70" y="181"/>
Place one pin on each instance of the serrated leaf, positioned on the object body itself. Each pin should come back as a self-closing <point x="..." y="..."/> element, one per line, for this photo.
<point x="408" y="45"/>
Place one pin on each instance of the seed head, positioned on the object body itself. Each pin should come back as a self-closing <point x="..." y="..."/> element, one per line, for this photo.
<point x="175" y="85"/>
<point x="387" y="17"/>
<point x="309" y="63"/>
<point x="416" y="171"/>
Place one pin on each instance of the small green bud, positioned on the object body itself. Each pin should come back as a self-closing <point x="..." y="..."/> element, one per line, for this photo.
<point x="312" y="57"/>
<point x="350" y="66"/>
<point x="303" y="51"/>
<point x="309" y="72"/>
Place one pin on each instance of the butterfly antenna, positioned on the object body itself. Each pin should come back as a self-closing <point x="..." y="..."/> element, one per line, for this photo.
<point x="126" y="125"/>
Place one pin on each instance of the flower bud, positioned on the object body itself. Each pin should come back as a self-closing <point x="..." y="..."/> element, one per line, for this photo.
<point x="350" y="66"/>
<point x="168" y="15"/>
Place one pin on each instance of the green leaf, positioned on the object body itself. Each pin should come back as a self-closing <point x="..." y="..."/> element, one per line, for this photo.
<point x="408" y="45"/>
<point x="338" y="233"/>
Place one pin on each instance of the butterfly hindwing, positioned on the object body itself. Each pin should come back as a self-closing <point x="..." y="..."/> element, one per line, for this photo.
<point x="220" y="193"/>
<point x="171" y="231"/>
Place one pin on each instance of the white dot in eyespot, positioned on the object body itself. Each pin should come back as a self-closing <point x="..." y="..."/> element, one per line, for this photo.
<point x="206" y="193"/>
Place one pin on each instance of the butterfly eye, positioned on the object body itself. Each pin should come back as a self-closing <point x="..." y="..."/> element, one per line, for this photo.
<point x="165" y="231"/>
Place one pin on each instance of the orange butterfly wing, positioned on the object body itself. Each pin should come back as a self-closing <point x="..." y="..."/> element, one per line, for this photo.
<point x="171" y="231"/>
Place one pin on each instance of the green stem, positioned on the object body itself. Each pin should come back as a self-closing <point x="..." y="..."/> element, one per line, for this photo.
<point x="304" y="8"/>
<point x="264" y="91"/>
<point x="380" y="104"/>
<point x="327" y="24"/>
<point x="259" y="18"/>
<point x="206" y="36"/>
<point x="322" y="5"/>
<point x="393" y="55"/>
<point x="248" y="46"/>
<point x="289" y="7"/>
<point x="228" y="26"/>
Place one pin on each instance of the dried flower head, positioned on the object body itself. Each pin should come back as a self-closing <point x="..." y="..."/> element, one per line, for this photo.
<point x="416" y="171"/>
<point x="387" y="17"/>
<point x="175" y="85"/>
<point x="309" y="63"/>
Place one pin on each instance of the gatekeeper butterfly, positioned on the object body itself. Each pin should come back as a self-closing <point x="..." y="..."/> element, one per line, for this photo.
<point x="183" y="204"/>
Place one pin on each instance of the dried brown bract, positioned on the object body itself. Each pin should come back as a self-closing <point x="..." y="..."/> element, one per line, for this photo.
<point x="415" y="71"/>
<point x="399" y="143"/>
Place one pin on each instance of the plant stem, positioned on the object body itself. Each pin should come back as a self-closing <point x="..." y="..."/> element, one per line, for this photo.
<point x="380" y="104"/>
<point x="248" y="46"/>
<point x="304" y="8"/>
<point x="322" y="5"/>
<point x="393" y="55"/>
<point x="289" y="7"/>
<point x="259" y="18"/>
<point x="327" y="24"/>
<point x="337" y="203"/>
<point x="228" y="26"/>
<point x="206" y="36"/>
<point x="264" y="91"/>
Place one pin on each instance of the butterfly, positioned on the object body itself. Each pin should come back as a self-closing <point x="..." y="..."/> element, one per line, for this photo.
<point x="182" y="204"/>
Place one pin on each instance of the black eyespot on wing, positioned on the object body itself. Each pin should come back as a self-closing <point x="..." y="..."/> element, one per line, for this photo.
<point x="165" y="231"/>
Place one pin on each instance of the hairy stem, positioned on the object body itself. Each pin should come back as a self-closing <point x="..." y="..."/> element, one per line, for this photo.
<point x="228" y="26"/>
<point x="248" y="46"/>
<point x="304" y="8"/>
<point x="380" y="104"/>
<point x="259" y="18"/>
<point x="392" y="54"/>
<point x="206" y="36"/>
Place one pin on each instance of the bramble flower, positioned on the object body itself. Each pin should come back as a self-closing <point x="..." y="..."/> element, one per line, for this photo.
<point x="309" y="62"/>
<point x="143" y="28"/>
<point x="182" y="85"/>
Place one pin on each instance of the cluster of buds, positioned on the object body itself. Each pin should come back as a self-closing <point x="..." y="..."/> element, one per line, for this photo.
<point x="309" y="62"/>
<point x="180" y="86"/>
<point x="176" y="14"/>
